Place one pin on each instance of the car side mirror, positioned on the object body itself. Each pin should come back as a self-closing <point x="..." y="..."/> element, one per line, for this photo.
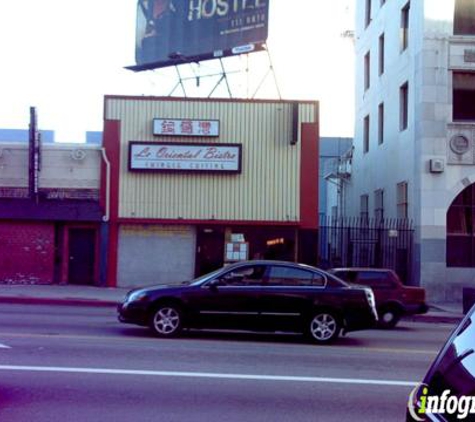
<point x="213" y="284"/>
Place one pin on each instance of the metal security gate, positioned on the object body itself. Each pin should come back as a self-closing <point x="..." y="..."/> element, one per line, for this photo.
<point x="363" y="242"/>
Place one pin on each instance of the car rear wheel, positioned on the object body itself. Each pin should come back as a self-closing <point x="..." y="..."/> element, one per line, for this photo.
<point x="324" y="327"/>
<point x="389" y="317"/>
<point x="167" y="321"/>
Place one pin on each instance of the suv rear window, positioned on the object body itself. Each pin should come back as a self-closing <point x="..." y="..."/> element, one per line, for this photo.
<point x="377" y="279"/>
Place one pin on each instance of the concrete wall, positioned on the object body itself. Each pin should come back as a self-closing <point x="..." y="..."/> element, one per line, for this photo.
<point x="71" y="166"/>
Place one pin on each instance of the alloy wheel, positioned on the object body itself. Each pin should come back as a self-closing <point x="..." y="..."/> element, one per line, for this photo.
<point x="166" y="321"/>
<point x="324" y="327"/>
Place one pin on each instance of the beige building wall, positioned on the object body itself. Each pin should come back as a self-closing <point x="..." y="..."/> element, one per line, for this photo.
<point x="69" y="166"/>
<point x="267" y="189"/>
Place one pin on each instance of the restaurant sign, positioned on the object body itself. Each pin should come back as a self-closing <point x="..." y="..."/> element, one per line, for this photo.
<point x="162" y="156"/>
<point x="185" y="127"/>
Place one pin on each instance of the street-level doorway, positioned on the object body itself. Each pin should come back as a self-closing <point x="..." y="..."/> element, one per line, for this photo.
<point x="82" y="255"/>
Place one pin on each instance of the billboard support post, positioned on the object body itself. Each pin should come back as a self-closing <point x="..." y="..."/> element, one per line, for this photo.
<point x="270" y="70"/>
<point x="179" y="83"/>
<point x="223" y="77"/>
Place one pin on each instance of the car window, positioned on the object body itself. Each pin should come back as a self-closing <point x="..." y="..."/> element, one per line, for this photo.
<point x="375" y="279"/>
<point x="349" y="276"/>
<point x="288" y="276"/>
<point x="250" y="275"/>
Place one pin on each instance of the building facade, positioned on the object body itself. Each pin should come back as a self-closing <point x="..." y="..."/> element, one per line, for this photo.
<point x="50" y="234"/>
<point x="198" y="183"/>
<point x="333" y="153"/>
<point x="414" y="131"/>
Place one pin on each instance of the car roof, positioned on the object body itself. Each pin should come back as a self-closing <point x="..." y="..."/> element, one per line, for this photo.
<point x="359" y="269"/>
<point x="272" y="262"/>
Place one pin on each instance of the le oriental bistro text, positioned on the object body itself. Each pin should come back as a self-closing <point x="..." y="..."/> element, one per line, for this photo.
<point x="184" y="157"/>
<point x="195" y="184"/>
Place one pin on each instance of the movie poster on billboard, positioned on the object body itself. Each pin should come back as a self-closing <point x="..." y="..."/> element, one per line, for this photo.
<point x="171" y="32"/>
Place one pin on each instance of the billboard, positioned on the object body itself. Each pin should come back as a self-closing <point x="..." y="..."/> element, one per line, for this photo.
<point x="171" y="32"/>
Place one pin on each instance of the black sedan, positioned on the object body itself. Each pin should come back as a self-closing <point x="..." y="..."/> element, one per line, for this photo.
<point x="258" y="296"/>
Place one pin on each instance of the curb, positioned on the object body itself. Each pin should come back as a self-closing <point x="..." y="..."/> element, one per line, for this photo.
<point x="440" y="319"/>
<point x="58" y="301"/>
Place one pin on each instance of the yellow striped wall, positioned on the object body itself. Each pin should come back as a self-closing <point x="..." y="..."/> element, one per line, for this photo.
<point x="268" y="188"/>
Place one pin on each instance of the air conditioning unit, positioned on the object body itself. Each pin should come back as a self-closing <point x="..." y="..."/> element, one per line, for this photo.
<point x="437" y="165"/>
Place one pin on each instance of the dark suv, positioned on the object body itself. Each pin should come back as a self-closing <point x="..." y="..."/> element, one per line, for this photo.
<point x="255" y="295"/>
<point x="393" y="299"/>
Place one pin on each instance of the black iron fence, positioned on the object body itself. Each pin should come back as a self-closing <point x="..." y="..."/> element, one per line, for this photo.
<point x="363" y="242"/>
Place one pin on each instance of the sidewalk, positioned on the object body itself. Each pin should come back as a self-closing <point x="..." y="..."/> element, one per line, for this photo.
<point x="62" y="295"/>
<point x="450" y="313"/>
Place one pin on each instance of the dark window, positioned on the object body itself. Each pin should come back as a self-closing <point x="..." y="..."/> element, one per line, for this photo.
<point x="367" y="70"/>
<point x="286" y="276"/>
<point x="379" y="204"/>
<point x="460" y="230"/>
<point x="380" y="123"/>
<point x="381" y="54"/>
<point x="244" y="276"/>
<point x="364" y="207"/>
<point x="367" y="18"/>
<point x="403" y="106"/>
<point x="402" y="201"/>
<point x="405" y="27"/>
<point x="463" y="96"/>
<point x="366" y="134"/>
<point x="464" y="17"/>
<point x="376" y="279"/>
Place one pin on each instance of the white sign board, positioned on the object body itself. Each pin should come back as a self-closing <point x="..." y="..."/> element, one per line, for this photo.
<point x="160" y="156"/>
<point x="185" y="127"/>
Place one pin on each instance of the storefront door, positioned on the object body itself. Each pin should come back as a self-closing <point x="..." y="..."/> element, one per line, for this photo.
<point x="210" y="250"/>
<point x="82" y="252"/>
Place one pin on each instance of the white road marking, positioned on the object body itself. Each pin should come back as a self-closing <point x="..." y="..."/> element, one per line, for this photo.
<point x="245" y="377"/>
<point x="4" y="346"/>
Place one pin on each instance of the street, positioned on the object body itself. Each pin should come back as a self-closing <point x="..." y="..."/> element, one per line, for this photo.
<point x="80" y="364"/>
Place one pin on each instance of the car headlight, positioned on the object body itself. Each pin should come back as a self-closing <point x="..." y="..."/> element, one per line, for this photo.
<point x="136" y="296"/>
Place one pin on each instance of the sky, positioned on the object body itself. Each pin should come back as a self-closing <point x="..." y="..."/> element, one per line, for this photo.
<point x="62" y="57"/>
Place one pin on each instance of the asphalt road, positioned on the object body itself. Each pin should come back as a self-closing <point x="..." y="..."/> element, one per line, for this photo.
<point x="62" y="363"/>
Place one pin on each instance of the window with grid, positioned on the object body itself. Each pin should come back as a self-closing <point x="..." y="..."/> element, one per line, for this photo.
<point x="366" y="134"/>
<point x="402" y="200"/>
<point x="379" y="204"/>
<point x="405" y="26"/>
<point x="460" y="230"/>
<point x="403" y="106"/>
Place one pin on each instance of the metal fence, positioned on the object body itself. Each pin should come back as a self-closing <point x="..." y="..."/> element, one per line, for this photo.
<point x="364" y="242"/>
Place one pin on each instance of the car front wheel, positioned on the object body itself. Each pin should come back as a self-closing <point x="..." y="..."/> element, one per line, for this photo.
<point x="324" y="327"/>
<point x="166" y="321"/>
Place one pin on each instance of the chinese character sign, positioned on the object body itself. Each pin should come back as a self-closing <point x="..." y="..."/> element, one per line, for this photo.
<point x="185" y="127"/>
